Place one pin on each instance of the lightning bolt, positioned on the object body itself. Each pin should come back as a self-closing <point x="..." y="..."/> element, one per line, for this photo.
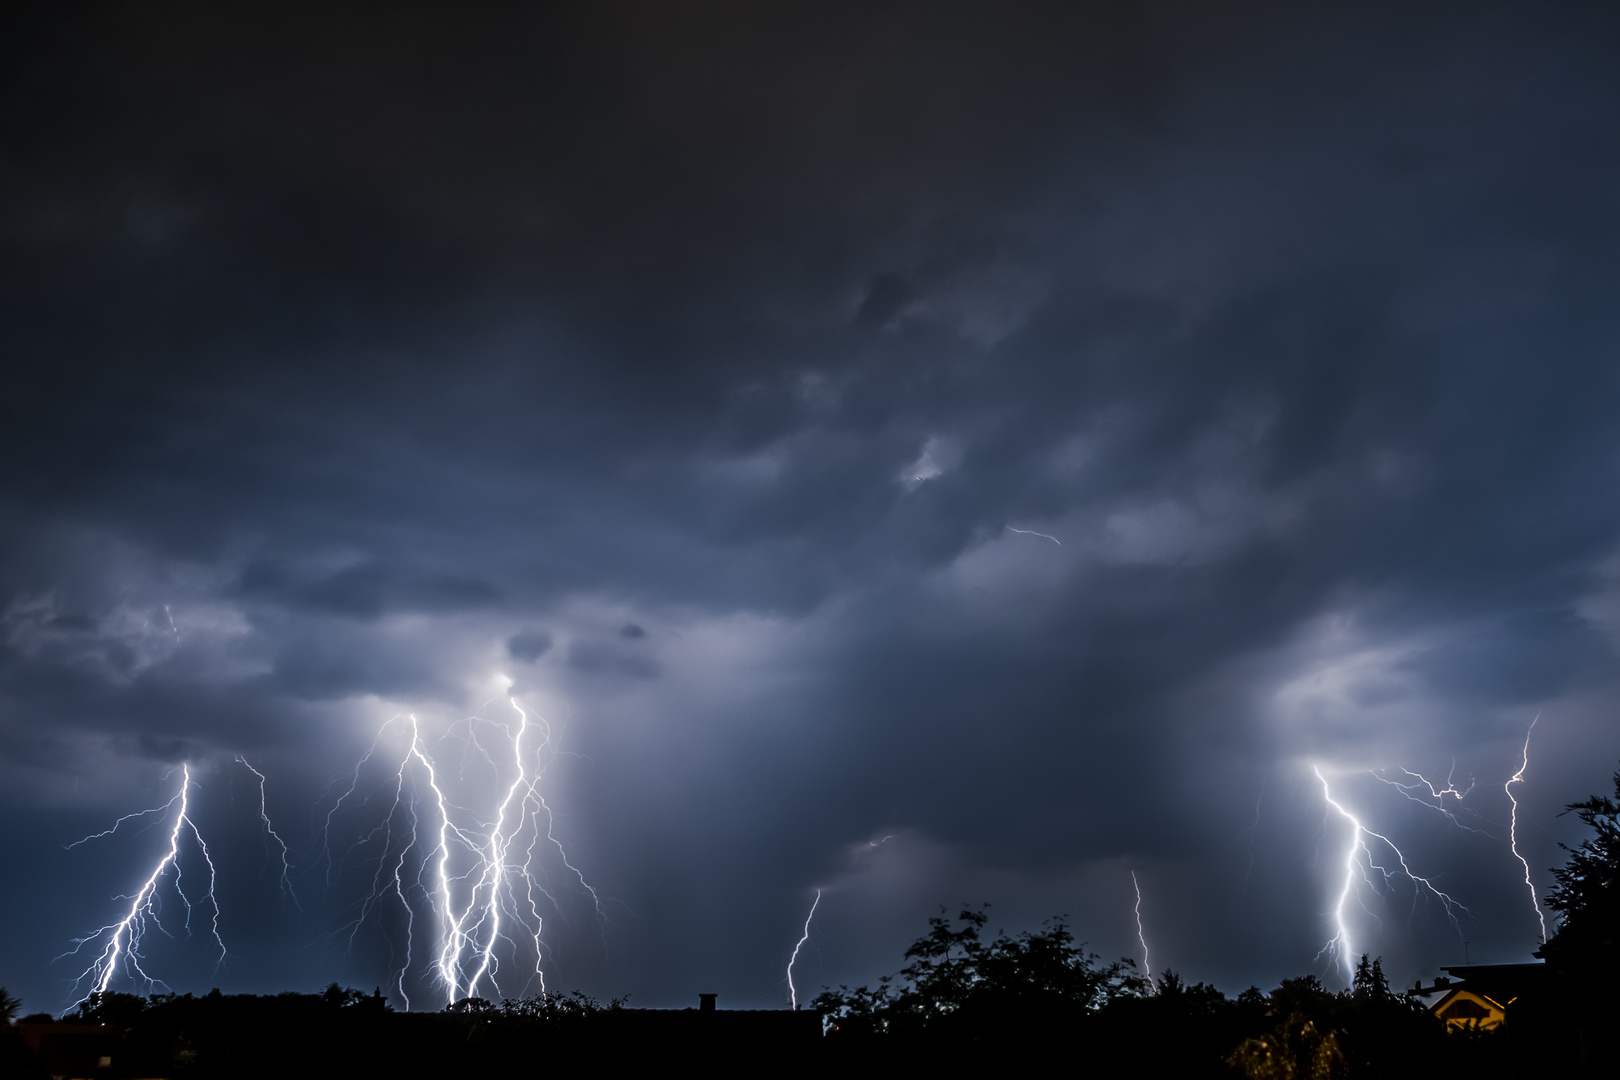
<point x="1414" y="792"/>
<point x="121" y="941"/>
<point x="1147" y="967"/>
<point x="120" y="821"/>
<point x="1513" y="825"/>
<point x="793" y="995"/>
<point x="1032" y="532"/>
<point x="1339" y="946"/>
<point x="474" y="878"/>
<point x="270" y="831"/>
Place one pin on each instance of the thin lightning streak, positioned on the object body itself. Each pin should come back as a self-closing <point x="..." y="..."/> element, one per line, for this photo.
<point x="1440" y="793"/>
<point x="410" y="914"/>
<point x="386" y="829"/>
<point x="1513" y="826"/>
<point x="325" y="832"/>
<point x="1339" y="945"/>
<point x="1436" y="793"/>
<point x="529" y="888"/>
<point x="120" y="821"/>
<point x="540" y="801"/>
<point x="213" y="901"/>
<point x="793" y="994"/>
<point x="1032" y="532"/>
<point x="264" y="819"/>
<point x="1147" y="966"/>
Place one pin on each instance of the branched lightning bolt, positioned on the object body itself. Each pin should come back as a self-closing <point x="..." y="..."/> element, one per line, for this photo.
<point x="1147" y="967"/>
<point x="270" y="831"/>
<point x="120" y="821"/>
<point x="793" y="994"/>
<point x="121" y="948"/>
<point x="478" y="877"/>
<point x="1513" y="825"/>
<point x="1414" y="792"/>
<point x="1339" y="946"/>
<point x="1032" y="532"/>
<point x="1449" y="789"/>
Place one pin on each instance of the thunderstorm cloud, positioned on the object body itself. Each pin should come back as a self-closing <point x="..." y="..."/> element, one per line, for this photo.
<point x="925" y="453"/>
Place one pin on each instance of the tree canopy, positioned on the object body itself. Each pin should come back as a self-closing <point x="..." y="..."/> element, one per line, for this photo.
<point x="957" y="985"/>
<point x="1587" y="895"/>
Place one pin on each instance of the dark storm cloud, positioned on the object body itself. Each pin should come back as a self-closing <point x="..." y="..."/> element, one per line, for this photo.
<point x="528" y="645"/>
<point x="369" y="590"/>
<point x="726" y="344"/>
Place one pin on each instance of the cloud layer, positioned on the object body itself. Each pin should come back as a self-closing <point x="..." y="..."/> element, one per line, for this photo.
<point x="1033" y="437"/>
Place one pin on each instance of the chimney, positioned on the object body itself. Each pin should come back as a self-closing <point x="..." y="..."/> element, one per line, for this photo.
<point x="706" y="1002"/>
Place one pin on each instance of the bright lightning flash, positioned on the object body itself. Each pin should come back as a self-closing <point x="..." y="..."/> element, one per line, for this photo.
<point x="1147" y="966"/>
<point x="1359" y="861"/>
<point x="1513" y="826"/>
<point x="121" y="941"/>
<point x="477" y="875"/>
<point x="793" y="995"/>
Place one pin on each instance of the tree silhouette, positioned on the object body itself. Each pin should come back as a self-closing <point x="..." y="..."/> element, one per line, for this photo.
<point x="960" y="987"/>
<point x="1587" y="895"/>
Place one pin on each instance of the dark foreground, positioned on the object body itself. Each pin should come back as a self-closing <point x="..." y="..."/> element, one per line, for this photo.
<point x="1297" y="1031"/>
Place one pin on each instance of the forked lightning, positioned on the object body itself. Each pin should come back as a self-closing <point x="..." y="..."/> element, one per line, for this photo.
<point x="478" y="875"/>
<point x="1359" y="861"/>
<point x="121" y="942"/>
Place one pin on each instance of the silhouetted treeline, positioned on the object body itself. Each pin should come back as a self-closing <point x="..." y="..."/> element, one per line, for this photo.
<point x="961" y="1004"/>
<point x="346" y="1033"/>
<point x="340" y="1032"/>
<point x="962" y="1000"/>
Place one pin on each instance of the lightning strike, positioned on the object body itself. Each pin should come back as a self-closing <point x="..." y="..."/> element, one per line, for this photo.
<point x="122" y="940"/>
<point x="1513" y="826"/>
<point x="793" y="994"/>
<point x="1032" y="532"/>
<point x="120" y="821"/>
<point x="1147" y="966"/>
<point x="1339" y="946"/>
<point x="1440" y="793"/>
<point x="270" y="831"/>
<point x="475" y="879"/>
<point x="1414" y="793"/>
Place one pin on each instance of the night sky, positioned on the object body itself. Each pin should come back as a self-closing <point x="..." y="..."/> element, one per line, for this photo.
<point x="933" y="454"/>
